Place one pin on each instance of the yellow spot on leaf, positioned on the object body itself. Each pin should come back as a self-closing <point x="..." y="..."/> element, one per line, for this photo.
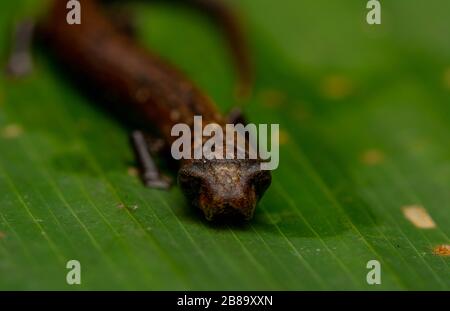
<point x="12" y="131"/>
<point x="418" y="216"/>
<point x="372" y="157"/>
<point x="272" y="98"/>
<point x="132" y="171"/>
<point x="2" y="235"/>
<point x="336" y="87"/>
<point x="442" y="250"/>
<point x="419" y="145"/>
<point x="281" y="137"/>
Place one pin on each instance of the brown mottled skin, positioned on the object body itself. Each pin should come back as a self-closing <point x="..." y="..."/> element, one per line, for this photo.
<point x="112" y="62"/>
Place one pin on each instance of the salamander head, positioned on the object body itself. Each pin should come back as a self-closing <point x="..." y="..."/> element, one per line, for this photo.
<point x="224" y="188"/>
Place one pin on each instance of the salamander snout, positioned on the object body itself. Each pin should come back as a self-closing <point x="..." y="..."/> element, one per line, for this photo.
<point x="237" y="204"/>
<point x="224" y="189"/>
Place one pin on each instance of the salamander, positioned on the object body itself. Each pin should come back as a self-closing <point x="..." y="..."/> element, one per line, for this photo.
<point x="140" y="81"/>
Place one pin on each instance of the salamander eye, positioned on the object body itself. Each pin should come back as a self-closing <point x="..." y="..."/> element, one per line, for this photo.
<point x="190" y="182"/>
<point x="261" y="180"/>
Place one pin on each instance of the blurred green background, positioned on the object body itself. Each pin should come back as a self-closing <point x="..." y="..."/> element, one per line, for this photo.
<point x="364" y="113"/>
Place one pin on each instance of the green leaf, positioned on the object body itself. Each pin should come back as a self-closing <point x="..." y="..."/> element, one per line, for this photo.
<point x="364" y="116"/>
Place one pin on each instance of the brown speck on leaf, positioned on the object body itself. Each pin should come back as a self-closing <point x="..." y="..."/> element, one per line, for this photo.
<point x="336" y="87"/>
<point x="12" y="131"/>
<point x="442" y="250"/>
<point x="121" y="206"/>
<point x="372" y="157"/>
<point x="132" y="171"/>
<point x="272" y="98"/>
<point x="418" y="216"/>
<point x="2" y="235"/>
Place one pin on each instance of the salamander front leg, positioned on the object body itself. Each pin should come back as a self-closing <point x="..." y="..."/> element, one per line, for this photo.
<point x="143" y="148"/>
<point x="20" y="60"/>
